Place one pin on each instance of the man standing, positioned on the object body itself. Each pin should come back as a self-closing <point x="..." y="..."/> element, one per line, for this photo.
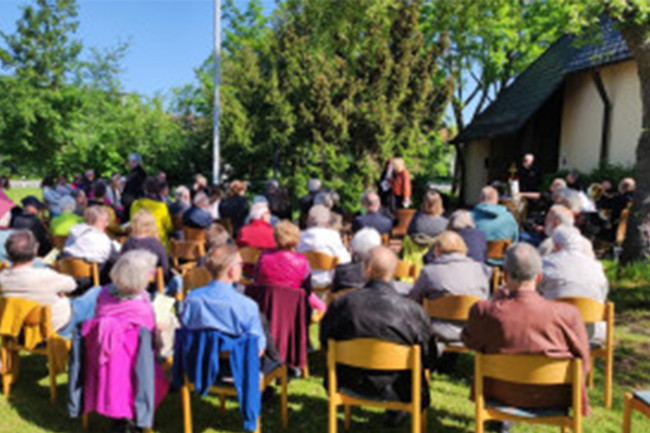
<point x="529" y="177"/>
<point x="134" y="188"/>
<point x="373" y="218"/>
<point x="520" y="321"/>
<point x="378" y="311"/>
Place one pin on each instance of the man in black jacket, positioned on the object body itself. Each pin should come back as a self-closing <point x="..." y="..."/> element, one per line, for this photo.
<point x="378" y="311"/>
<point x="134" y="188"/>
<point x="27" y="218"/>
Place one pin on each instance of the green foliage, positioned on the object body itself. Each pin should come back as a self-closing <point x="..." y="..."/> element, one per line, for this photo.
<point x="328" y="90"/>
<point x="612" y="172"/>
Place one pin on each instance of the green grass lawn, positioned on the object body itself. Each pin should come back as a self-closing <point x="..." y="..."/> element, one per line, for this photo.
<point x="17" y="194"/>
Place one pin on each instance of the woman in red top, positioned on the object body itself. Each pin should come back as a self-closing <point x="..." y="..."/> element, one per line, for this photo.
<point x="401" y="184"/>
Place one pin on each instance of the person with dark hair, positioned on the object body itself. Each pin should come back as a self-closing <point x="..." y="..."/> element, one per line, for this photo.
<point x="306" y="202"/>
<point x="151" y="202"/>
<point x="27" y="218"/>
<point x="235" y="206"/>
<point x="44" y="285"/>
<point x="88" y="181"/>
<point x="278" y="198"/>
<point x="134" y="188"/>
<point x="163" y="192"/>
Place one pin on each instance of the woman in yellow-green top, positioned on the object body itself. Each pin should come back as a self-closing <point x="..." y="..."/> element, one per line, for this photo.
<point x="60" y="225"/>
<point x="158" y="208"/>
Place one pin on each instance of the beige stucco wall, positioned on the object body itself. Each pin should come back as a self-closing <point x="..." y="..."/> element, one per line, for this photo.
<point x="476" y="174"/>
<point x="583" y="112"/>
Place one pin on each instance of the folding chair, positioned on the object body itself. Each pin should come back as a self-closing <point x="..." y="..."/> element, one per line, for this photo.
<point x="35" y="329"/>
<point x="530" y="370"/>
<point x="321" y="262"/>
<point x="190" y="234"/>
<point x="373" y="354"/>
<point x="638" y="400"/>
<point x="78" y="268"/>
<point x="451" y="307"/>
<point x="404" y="217"/>
<point x="249" y="256"/>
<point x="496" y="250"/>
<point x="224" y="390"/>
<point x="195" y="277"/>
<point x="188" y="251"/>
<point x="592" y="312"/>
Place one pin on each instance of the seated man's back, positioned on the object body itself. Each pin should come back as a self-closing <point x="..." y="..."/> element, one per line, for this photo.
<point x="522" y="322"/>
<point x="377" y="311"/>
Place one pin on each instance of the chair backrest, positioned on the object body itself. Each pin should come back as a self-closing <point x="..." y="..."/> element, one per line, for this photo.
<point x="527" y="369"/>
<point x="58" y="242"/>
<point x="373" y="354"/>
<point x="186" y="250"/>
<point x="404" y="217"/>
<point x="385" y="239"/>
<point x="321" y="261"/>
<point x="591" y="310"/>
<point x="192" y="234"/>
<point x="497" y="249"/>
<point x="37" y="317"/>
<point x="331" y="296"/>
<point x="250" y="255"/>
<point x="404" y="270"/>
<point x="159" y="279"/>
<point x="196" y="277"/>
<point x="177" y="222"/>
<point x="78" y="268"/>
<point x="450" y="307"/>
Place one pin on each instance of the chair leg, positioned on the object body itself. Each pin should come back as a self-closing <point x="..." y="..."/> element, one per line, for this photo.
<point x="590" y="376"/>
<point x="222" y="403"/>
<point x="284" y="397"/>
<point x="416" y="421"/>
<point x="258" y="428"/>
<point x="424" y="421"/>
<point x="609" y="380"/>
<point x="331" y="416"/>
<point x="305" y="371"/>
<point x="187" y="410"/>
<point x="346" y="420"/>
<point x="50" y="367"/>
<point x="85" y="421"/>
<point x="627" y="413"/>
<point x="564" y="429"/>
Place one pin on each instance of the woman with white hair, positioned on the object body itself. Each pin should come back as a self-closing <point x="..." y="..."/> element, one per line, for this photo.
<point x="183" y="201"/>
<point x="321" y="238"/>
<point x="112" y="340"/>
<point x="259" y="232"/>
<point x="351" y="275"/>
<point x="60" y="225"/>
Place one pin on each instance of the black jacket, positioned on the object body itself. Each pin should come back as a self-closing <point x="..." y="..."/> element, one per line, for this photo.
<point x="236" y="209"/>
<point x="378" y="311"/>
<point x="348" y="276"/>
<point x="373" y="220"/>
<point x="21" y="220"/>
<point x="134" y="187"/>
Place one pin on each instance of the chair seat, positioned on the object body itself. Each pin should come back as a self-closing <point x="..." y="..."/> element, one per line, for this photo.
<point x="525" y="413"/>
<point x="351" y="393"/>
<point x="644" y="396"/>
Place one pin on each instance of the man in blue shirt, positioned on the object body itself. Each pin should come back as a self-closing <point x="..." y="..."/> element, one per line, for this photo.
<point x="218" y="305"/>
<point x="198" y="216"/>
<point x="373" y="217"/>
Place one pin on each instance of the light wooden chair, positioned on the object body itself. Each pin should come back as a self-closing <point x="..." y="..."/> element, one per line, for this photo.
<point x="58" y="242"/>
<point x="321" y="262"/>
<point x="78" y="268"/>
<point x="372" y="354"/>
<point x="38" y="317"/>
<point x="188" y="251"/>
<point x="593" y="312"/>
<point x="385" y="239"/>
<point x="530" y="370"/>
<point x="451" y="307"/>
<point x="249" y="256"/>
<point x="496" y="250"/>
<point x="222" y="391"/>
<point x="621" y="230"/>
<point x="405" y="270"/>
<point x="640" y="401"/>
<point x="404" y="217"/>
<point x="195" y="277"/>
<point x="190" y="234"/>
<point x="177" y="222"/>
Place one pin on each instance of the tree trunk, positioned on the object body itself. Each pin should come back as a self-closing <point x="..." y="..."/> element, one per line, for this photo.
<point x="637" y="238"/>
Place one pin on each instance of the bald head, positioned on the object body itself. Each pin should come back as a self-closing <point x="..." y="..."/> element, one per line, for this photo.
<point x="380" y="264"/>
<point x="370" y="201"/>
<point x="489" y="195"/>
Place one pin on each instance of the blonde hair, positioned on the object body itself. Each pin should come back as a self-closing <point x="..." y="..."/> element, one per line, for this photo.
<point x="216" y="236"/>
<point x="144" y="224"/>
<point x="237" y="187"/>
<point x="287" y="235"/>
<point x="449" y="242"/>
<point x="432" y="204"/>
<point x="398" y="165"/>
<point x="220" y="259"/>
<point x="93" y="213"/>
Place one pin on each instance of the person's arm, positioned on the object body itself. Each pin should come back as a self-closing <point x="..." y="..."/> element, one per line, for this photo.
<point x="60" y="283"/>
<point x="407" y="185"/>
<point x="419" y="288"/>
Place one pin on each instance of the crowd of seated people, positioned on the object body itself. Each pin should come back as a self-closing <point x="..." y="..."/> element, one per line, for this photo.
<point x="449" y="249"/>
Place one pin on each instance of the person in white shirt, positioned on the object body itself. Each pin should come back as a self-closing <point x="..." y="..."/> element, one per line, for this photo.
<point x="44" y="285"/>
<point x="321" y="238"/>
<point x="89" y="241"/>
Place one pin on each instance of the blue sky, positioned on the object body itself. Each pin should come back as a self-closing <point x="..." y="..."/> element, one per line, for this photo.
<point x="168" y="38"/>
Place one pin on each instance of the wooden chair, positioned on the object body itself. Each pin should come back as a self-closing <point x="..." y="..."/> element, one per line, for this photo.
<point x="188" y="251"/>
<point x="190" y="234"/>
<point x="593" y="312"/>
<point x="530" y="370"/>
<point x="640" y="401"/>
<point x="496" y="250"/>
<point x="78" y="268"/>
<point x="195" y="277"/>
<point x="159" y="279"/>
<point x="451" y="307"/>
<point x="177" y="222"/>
<point x="222" y="391"/>
<point x="249" y="256"/>
<point x="621" y="230"/>
<point x="372" y="354"/>
<point x="321" y="262"/>
<point x="385" y="239"/>
<point x="404" y="270"/>
<point x="404" y="217"/>
<point x="58" y="242"/>
<point x="12" y="344"/>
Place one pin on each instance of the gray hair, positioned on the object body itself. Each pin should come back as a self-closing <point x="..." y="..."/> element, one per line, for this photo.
<point x="133" y="270"/>
<point x="324" y="198"/>
<point x="182" y="193"/>
<point x="201" y="200"/>
<point x="560" y="212"/>
<point x="370" y="199"/>
<point x="567" y="238"/>
<point x="67" y="204"/>
<point x="571" y="199"/>
<point x="93" y="213"/>
<point x="365" y="240"/>
<point x="21" y="246"/>
<point x="522" y="262"/>
<point x="313" y="185"/>
<point x="258" y="210"/>
<point x="319" y="216"/>
<point x="460" y="219"/>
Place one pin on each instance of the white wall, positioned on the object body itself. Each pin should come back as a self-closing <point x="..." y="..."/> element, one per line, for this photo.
<point x="582" y="118"/>
<point x="476" y="174"/>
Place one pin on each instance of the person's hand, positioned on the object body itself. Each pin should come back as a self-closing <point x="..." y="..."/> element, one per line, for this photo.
<point x="407" y="202"/>
<point x="261" y="353"/>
